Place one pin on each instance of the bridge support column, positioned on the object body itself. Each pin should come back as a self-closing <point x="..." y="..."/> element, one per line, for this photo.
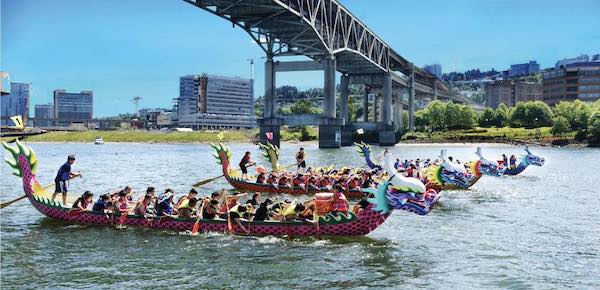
<point x="329" y="88"/>
<point x="376" y="108"/>
<point x="387" y="134"/>
<point x="270" y="126"/>
<point x="330" y="127"/>
<point x="347" y="129"/>
<point x="387" y="99"/>
<point x="411" y="100"/>
<point x="269" y="106"/>
<point x="366" y="105"/>
<point x="398" y="121"/>
<point x="435" y="92"/>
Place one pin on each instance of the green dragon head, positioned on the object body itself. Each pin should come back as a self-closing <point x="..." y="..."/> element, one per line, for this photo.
<point x="20" y="154"/>
<point x="271" y="153"/>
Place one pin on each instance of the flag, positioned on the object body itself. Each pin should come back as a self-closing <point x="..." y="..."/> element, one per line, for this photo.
<point x="269" y="135"/>
<point x="360" y="131"/>
<point x="221" y="136"/>
<point x="18" y="120"/>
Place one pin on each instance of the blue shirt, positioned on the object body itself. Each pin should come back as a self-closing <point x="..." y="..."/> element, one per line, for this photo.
<point x="100" y="205"/>
<point x="164" y="208"/>
<point x="64" y="172"/>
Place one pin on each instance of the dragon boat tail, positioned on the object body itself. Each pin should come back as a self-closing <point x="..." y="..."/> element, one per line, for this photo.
<point x="24" y="163"/>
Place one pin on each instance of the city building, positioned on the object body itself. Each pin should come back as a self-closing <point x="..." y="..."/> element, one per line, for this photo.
<point x="524" y="69"/>
<point x="16" y="103"/>
<point x="567" y="61"/>
<point x="574" y="81"/>
<point x="5" y="84"/>
<point x="595" y="57"/>
<point x="209" y="101"/>
<point x="435" y="69"/>
<point x="44" y="115"/>
<point x="73" y="107"/>
<point x="510" y="93"/>
<point x="156" y="118"/>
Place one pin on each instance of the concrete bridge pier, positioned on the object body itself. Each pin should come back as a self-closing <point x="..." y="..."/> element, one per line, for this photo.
<point x="411" y="100"/>
<point x="387" y="134"/>
<point x="347" y="129"/>
<point x="366" y="104"/>
<point x="270" y="124"/>
<point x="330" y="127"/>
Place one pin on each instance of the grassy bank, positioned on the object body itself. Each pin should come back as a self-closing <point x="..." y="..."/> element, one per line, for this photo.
<point x="491" y="135"/>
<point x="486" y="135"/>
<point x="144" y="136"/>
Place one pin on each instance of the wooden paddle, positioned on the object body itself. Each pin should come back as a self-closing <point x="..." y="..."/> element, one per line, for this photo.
<point x="196" y="227"/>
<point x="7" y="203"/>
<point x="205" y="181"/>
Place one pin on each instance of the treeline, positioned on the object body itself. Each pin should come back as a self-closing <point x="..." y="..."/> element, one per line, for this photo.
<point x="566" y="117"/>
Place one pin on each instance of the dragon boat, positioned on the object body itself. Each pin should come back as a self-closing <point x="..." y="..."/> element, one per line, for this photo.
<point x="223" y="155"/>
<point x="446" y="175"/>
<point x="526" y="160"/>
<point x="399" y="193"/>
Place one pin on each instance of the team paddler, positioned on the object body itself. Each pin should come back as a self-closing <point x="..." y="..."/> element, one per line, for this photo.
<point x="245" y="163"/>
<point x="62" y="179"/>
<point x="300" y="160"/>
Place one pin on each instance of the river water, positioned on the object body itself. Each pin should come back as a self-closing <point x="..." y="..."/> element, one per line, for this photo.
<point x="539" y="230"/>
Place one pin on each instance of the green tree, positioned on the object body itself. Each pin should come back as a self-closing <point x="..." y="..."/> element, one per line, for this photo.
<point x="561" y="126"/>
<point x="486" y="119"/>
<point x="577" y="113"/>
<point x="303" y="107"/>
<point x="501" y="116"/>
<point x="594" y="128"/>
<point x="531" y="115"/>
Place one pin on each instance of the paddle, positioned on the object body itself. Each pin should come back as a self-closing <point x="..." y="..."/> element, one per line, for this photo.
<point x="229" y="228"/>
<point x="7" y="203"/>
<point x="203" y="182"/>
<point x="196" y="227"/>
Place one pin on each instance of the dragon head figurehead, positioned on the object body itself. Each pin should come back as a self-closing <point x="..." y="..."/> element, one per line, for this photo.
<point x="532" y="159"/>
<point x="223" y="155"/>
<point x="271" y="153"/>
<point x="24" y="164"/>
<point x="449" y="174"/>
<point x="23" y="159"/>
<point x="364" y="150"/>
<point x="400" y="192"/>
<point x="485" y="166"/>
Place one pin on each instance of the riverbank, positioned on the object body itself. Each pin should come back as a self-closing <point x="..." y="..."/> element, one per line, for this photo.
<point x="541" y="136"/>
<point x="538" y="136"/>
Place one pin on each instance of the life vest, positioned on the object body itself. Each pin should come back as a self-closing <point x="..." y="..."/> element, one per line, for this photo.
<point x="290" y="210"/>
<point x="235" y="209"/>
<point x="341" y="204"/>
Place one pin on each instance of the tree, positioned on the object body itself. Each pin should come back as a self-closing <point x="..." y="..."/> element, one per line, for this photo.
<point x="303" y="107"/>
<point x="486" y="119"/>
<point x="501" y="116"/>
<point x="531" y="115"/>
<point x="560" y="127"/>
<point x="594" y="128"/>
<point x="577" y="113"/>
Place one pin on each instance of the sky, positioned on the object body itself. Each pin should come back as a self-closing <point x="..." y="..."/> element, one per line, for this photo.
<point x="121" y="49"/>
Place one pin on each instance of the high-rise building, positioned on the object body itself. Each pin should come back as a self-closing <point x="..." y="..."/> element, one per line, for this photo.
<point x="435" y="69"/>
<point x="524" y="69"/>
<point x="44" y="114"/>
<point x="574" y="81"/>
<point x="16" y="103"/>
<point x="209" y="101"/>
<point x="568" y="61"/>
<point x="73" y="107"/>
<point x="510" y="93"/>
<point x="596" y="57"/>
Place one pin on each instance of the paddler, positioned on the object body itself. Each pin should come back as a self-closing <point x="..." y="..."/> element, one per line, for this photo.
<point x="245" y="163"/>
<point x="236" y="213"/>
<point x="338" y="200"/>
<point x="61" y="180"/>
<point x="300" y="160"/>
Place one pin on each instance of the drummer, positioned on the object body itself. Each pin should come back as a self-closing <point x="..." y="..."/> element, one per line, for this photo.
<point x="245" y="163"/>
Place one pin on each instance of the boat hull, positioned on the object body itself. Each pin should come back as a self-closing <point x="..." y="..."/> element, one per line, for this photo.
<point x="267" y="188"/>
<point x="350" y="225"/>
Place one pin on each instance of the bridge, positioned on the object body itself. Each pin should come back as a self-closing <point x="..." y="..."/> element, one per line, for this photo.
<point x="335" y="41"/>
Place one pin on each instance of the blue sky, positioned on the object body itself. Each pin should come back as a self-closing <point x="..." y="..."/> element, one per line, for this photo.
<point x="120" y="49"/>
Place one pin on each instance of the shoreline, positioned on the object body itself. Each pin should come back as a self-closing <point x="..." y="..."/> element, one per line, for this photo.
<point x="250" y="137"/>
